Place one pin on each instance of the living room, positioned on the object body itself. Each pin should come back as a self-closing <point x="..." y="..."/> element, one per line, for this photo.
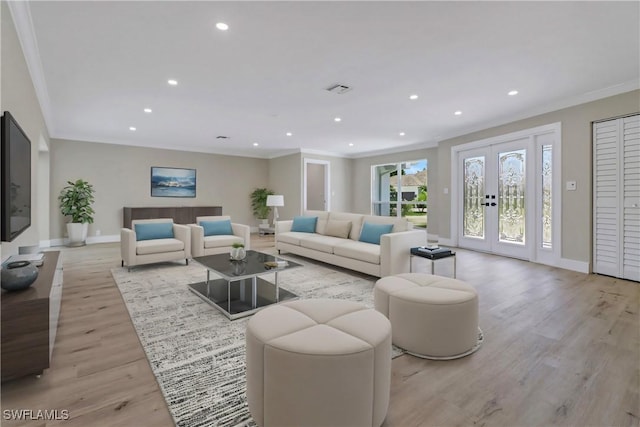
<point x="119" y="170"/>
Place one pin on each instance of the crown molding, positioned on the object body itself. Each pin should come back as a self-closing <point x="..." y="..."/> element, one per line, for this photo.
<point x="21" y="15"/>
<point x="583" y="98"/>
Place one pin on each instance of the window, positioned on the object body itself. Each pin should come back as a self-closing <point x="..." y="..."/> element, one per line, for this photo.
<point x="400" y="189"/>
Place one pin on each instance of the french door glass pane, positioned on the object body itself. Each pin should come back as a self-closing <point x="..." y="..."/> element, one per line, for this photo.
<point x="473" y="215"/>
<point x="547" y="179"/>
<point x="511" y="196"/>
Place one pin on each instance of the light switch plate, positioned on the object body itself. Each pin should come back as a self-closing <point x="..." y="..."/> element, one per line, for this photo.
<point x="571" y="185"/>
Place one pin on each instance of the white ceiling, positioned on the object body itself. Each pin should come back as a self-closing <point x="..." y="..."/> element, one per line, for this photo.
<point x="101" y="63"/>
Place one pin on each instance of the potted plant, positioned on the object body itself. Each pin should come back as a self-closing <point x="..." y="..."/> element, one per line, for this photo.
<point x="75" y="201"/>
<point x="259" y="204"/>
<point x="237" y="252"/>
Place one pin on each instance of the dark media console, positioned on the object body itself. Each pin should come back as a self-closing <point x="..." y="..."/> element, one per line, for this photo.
<point x="30" y="321"/>
<point x="180" y="214"/>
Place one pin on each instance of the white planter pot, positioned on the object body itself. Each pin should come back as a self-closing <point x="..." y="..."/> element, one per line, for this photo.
<point x="265" y="221"/>
<point x="77" y="233"/>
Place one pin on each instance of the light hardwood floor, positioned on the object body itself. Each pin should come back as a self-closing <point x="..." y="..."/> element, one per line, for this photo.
<point x="561" y="348"/>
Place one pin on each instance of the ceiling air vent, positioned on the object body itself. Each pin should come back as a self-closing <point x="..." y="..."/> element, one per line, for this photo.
<point x="222" y="137"/>
<point x="339" y="88"/>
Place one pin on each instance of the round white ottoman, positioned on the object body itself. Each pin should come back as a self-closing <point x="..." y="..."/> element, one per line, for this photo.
<point x="432" y="317"/>
<point x="318" y="362"/>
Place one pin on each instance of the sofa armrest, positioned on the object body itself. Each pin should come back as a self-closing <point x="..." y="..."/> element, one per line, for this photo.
<point x="183" y="233"/>
<point x="244" y="232"/>
<point x="197" y="240"/>
<point x="395" y="250"/>
<point x="283" y="226"/>
<point x="128" y="246"/>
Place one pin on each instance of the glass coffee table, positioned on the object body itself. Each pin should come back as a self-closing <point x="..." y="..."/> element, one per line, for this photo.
<point x="240" y="291"/>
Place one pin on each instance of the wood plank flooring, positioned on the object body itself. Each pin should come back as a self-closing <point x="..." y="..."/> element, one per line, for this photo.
<point x="561" y="348"/>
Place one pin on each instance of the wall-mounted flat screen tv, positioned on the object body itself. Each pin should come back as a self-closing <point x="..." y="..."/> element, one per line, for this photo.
<point x="16" y="179"/>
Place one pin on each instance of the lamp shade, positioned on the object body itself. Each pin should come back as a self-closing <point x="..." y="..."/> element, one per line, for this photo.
<point x="275" y="200"/>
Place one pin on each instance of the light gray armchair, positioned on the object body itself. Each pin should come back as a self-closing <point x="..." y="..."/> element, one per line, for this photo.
<point x="154" y="240"/>
<point x="220" y="242"/>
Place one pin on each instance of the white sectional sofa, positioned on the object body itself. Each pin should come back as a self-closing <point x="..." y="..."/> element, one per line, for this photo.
<point x="336" y="242"/>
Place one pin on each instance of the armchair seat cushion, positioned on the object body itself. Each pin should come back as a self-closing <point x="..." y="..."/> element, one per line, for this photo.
<point x="156" y="246"/>
<point x="221" y="240"/>
<point x="367" y="252"/>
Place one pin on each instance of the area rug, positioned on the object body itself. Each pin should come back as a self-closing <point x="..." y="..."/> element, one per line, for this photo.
<point x="195" y="352"/>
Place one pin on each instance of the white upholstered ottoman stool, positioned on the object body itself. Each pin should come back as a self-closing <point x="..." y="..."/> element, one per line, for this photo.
<point x="318" y="362"/>
<point x="431" y="316"/>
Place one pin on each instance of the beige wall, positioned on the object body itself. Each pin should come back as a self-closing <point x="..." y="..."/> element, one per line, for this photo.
<point x="285" y="176"/>
<point x="576" y="166"/>
<point x="362" y="176"/>
<point x="121" y="177"/>
<point x="18" y="96"/>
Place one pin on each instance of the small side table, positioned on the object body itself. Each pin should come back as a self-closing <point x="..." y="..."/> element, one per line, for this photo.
<point x="433" y="260"/>
<point x="263" y="231"/>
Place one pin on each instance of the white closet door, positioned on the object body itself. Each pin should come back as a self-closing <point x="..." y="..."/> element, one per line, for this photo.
<point x="631" y="198"/>
<point x="617" y="197"/>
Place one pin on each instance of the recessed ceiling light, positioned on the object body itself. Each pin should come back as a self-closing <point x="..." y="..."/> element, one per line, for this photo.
<point x="222" y="26"/>
<point x="457" y="113"/>
<point x="413" y="97"/>
<point x="351" y="144"/>
<point x="289" y="134"/>
<point x="512" y="92"/>
<point x="401" y="134"/>
<point x="132" y="128"/>
<point x="148" y="110"/>
<point x="337" y="119"/>
<point x="172" y="82"/>
<point x="255" y="144"/>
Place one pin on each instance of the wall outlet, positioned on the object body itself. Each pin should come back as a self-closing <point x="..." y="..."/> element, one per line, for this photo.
<point x="98" y="232"/>
<point x="445" y="191"/>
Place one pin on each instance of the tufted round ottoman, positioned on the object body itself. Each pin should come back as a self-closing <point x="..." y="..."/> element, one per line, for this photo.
<point x="318" y="362"/>
<point x="433" y="317"/>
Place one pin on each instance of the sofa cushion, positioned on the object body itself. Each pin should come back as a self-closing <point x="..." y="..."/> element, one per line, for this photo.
<point x="217" y="228"/>
<point x="356" y="222"/>
<point x="304" y="224"/>
<point x="320" y="243"/>
<point x="338" y="228"/>
<point x="371" y="232"/>
<point x="154" y="230"/>
<point x="361" y="251"/>
<point x="157" y="246"/>
<point x="291" y="237"/>
<point x="220" y="241"/>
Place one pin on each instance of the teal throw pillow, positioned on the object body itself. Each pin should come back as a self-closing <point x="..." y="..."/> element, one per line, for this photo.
<point x="371" y="232"/>
<point x="154" y="230"/>
<point x="217" y="228"/>
<point x="304" y="224"/>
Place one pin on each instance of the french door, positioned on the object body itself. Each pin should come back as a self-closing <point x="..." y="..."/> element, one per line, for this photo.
<point x="508" y="203"/>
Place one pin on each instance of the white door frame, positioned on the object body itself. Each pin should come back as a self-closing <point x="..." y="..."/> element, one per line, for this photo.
<point x="546" y="134"/>
<point x="327" y="182"/>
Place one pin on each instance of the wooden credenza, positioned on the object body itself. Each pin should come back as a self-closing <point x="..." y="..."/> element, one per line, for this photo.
<point x="29" y="321"/>
<point x="180" y="214"/>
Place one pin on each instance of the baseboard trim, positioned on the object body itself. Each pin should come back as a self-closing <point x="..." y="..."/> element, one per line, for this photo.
<point x="573" y="265"/>
<point x="90" y="240"/>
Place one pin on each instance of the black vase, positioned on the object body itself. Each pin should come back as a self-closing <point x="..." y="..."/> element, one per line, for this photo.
<point x="18" y="275"/>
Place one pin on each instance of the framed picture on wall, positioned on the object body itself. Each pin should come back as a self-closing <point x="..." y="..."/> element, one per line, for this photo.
<point x="173" y="182"/>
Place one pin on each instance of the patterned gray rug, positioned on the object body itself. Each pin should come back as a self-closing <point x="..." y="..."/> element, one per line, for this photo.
<point x="196" y="353"/>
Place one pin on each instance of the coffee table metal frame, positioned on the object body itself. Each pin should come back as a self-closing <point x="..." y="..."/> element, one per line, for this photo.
<point x="252" y="294"/>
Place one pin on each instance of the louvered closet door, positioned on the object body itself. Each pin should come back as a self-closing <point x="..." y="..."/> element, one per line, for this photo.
<point x="617" y="197"/>
<point x="631" y="198"/>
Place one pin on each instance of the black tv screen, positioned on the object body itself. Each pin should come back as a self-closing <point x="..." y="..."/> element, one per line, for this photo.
<point x="16" y="179"/>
